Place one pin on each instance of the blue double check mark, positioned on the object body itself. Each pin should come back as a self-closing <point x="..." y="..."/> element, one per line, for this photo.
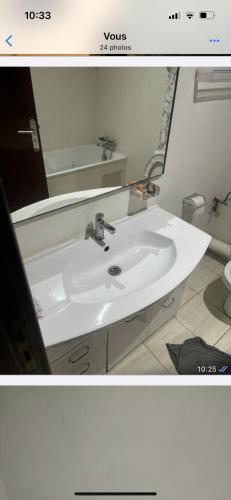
<point x="223" y="369"/>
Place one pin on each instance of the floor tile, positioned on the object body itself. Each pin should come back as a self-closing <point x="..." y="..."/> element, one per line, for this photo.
<point x="213" y="264"/>
<point x="139" y="362"/>
<point x="204" y="322"/>
<point x="224" y="344"/>
<point x="200" y="313"/>
<point x="201" y="278"/>
<point x="216" y="293"/>
<point x="187" y="295"/>
<point x="173" y="332"/>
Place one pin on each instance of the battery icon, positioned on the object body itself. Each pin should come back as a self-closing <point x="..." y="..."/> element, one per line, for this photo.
<point x="207" y="14"/>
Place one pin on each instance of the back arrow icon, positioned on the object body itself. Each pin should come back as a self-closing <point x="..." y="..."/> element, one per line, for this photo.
<point x="8" y="40"/>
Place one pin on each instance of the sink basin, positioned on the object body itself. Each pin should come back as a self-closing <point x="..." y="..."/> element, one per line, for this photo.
<point x="153" y="252"/>
<point x="142" y="259"/>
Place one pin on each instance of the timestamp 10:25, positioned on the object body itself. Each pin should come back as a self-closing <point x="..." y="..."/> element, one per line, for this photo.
<point x="207" y="369"/>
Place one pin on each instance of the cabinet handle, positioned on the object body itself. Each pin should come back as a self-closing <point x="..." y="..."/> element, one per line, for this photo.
<point x="171" y="301"/>
<point x="137" y="315"/>
<point x="85" y="369"/>
<point x="76" y="356"/>
<point x="132" y="319"/>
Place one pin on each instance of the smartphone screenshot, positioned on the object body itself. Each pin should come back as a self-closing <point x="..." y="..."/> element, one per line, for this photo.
<point x="115" y="193"/>
<point x="115" y="250"/>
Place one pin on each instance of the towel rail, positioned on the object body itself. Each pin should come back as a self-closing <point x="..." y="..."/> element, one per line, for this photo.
<point x="213" y="77"/>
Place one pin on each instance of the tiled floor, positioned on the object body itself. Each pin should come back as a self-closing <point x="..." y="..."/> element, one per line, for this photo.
<point x="200" y="314"/>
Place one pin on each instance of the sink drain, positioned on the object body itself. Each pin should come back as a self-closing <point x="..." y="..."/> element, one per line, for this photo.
<point x="114" y="270"/>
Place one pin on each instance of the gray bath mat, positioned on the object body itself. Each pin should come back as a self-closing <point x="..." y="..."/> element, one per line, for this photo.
<point x="195" y="357"/>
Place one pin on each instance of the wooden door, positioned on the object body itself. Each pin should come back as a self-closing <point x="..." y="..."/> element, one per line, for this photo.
<point x="22" y="349"/>
<point x="21" y="166"/>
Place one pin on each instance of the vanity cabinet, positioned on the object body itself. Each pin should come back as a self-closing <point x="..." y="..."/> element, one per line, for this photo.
<point x="86" y="355"/>
<point x="125" y="335"/>
<point x="128" y="334"/>
<point x="161" y="312"/>
<point x="99" y="352"/>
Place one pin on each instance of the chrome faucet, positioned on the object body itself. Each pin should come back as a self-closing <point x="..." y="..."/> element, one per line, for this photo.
<point x="100" y="225"/>
<point x="108" y="145"/>
<point x="97" y="234"/>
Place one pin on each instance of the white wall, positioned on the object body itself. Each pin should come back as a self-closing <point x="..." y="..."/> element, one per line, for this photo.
<point x="56" y="440"/>
<point x="130" y="107"/>
<point x="199" y="155"/>
<point x="38" y="234"/>
<point x="220" y="224"/>
<point x="66" y="101"/>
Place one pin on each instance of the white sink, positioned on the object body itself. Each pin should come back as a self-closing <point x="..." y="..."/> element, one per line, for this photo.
<point x="143" y="258"/>
<point x="155" y="252"/>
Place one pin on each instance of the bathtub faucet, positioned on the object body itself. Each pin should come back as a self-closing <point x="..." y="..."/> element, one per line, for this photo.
<point x="108" y="145"/>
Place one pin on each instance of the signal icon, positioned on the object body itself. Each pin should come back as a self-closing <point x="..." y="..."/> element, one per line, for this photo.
<point x="175" y="16"/>
<point x="189" y="15"/>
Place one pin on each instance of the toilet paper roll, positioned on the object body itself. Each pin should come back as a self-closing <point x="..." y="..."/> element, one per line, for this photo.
<point x="193" y="205"/>
<point x="199" y="211"/>
<point x="195" y="201"/>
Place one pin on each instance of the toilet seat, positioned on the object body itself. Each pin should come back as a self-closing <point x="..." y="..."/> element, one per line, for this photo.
<point x="227" y="275"/>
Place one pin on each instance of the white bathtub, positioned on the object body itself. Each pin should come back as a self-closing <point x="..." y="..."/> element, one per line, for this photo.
<point x="81" y="168"/>
<point x="65" y="161"/>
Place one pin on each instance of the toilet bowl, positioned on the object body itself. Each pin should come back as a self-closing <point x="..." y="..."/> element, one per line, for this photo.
<point x="227" y="282"/>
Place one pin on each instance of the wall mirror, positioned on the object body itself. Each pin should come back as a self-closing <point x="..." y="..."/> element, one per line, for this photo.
<point x="68" y="134"/>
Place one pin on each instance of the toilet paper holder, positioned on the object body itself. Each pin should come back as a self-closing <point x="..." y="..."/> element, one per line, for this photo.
<point x="195" y="201"/>
<point x="193" y="204"/>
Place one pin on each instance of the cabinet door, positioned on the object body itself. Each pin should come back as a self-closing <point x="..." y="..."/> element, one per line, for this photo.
<point x="125" y="336"/>
<point x="160" y="313"/>
<point x="89" y="356"/>
<point x="56" y="351"/>
<point x="82" y="361"/>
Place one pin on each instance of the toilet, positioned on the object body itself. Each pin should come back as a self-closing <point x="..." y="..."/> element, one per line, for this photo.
<point x="227" y="282"/>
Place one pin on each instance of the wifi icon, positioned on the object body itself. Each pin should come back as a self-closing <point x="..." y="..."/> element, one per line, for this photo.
<point x="189" y="15"/>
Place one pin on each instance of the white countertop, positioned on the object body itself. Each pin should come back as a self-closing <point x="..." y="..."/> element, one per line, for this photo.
<point x="156" y="252"/>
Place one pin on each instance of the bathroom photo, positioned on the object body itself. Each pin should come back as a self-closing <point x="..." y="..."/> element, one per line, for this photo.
<point x="121" y="442"/>
<point x="115" y="207"/>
